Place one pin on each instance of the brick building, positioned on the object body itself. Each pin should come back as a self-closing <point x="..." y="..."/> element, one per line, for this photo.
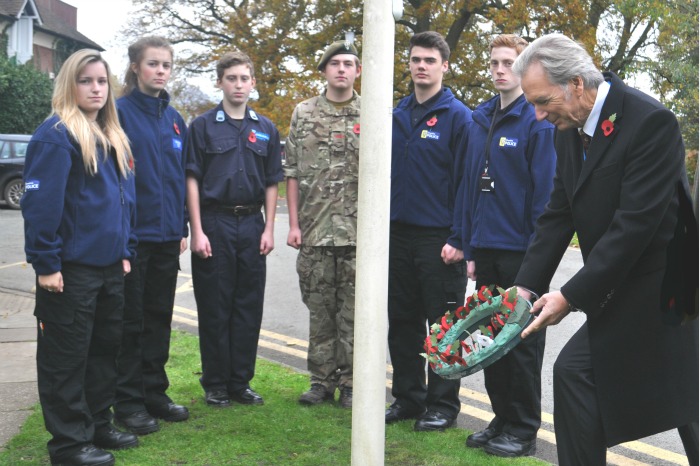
<point x="43" y="31"/>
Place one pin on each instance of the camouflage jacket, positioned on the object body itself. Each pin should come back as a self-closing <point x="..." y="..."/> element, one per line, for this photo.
<point x="323" y="151"/>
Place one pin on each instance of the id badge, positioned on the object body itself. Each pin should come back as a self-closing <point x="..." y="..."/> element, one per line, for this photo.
<point x="486" y="184"/>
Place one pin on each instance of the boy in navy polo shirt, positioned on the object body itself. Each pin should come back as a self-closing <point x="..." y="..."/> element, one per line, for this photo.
<point x="233" y="167"/>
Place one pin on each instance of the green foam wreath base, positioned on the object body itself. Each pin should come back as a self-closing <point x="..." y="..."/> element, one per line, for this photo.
<point x="477" y="334"/>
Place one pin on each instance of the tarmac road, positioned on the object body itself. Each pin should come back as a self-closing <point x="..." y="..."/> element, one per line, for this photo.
<point x="283" y="339"/>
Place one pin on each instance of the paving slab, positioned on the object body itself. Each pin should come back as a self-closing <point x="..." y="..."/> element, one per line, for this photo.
<point x="18" y="362"/>
<point x="18" y="386"/>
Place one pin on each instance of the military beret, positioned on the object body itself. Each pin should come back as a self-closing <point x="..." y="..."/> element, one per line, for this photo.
<point x="337" y="48"/>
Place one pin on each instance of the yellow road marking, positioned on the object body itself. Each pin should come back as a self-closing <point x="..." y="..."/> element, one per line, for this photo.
<point x="184" y="320"/>
<point x="185" y="287"/>
<point x="7" y="266"/>
<point x="656" y="452"/>
<point x="189" y="312"/>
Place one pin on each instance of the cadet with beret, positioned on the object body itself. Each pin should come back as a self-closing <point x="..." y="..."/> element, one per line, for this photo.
<point x="322" y="168"/>
<point x="233" y="167"/>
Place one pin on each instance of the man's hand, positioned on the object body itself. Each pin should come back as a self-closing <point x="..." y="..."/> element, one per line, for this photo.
<point x="126" y="266"/>
<point x="552" y="307"/>
<point x="52" y="282"/>
<point x="451" y="255"/>
<point x="294" y="238"/>
<point x="267" y="243"/>
<point x="525" y="294"/>
<point x="200" y="246"/>
<point x="183" y="245"/>
<point x="471" y="270"/>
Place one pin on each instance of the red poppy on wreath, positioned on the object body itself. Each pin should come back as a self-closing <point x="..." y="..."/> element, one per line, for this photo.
<point x="251" y="137"/>
<point x="356" y="128"/>
<point x="461" y="312"/>
<point x="432" y="121"/>
<point x="608" y="125"/>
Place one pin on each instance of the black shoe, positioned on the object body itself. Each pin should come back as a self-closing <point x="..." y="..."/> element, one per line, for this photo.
<point x="169" y="412"/>
<point x="315" y="395"/>
<point x="479" y="439"/>
<point x="139" y="423"/>
<point x="89" y="455"/>
<point x="345" y="398"/>
<point x="109" y="438"/>
<point x="217" y="398"/>
<point x="433" y="421"/>
<point x="396" y="412"/>
<point x="510" y="446"/>
<point x="247" y="396"/>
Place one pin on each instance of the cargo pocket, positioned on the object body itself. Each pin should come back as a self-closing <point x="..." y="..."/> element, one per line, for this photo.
<point x="57" y="308"/>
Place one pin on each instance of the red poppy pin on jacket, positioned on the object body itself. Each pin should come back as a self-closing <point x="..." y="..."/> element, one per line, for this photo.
<point x="608" y="126"/>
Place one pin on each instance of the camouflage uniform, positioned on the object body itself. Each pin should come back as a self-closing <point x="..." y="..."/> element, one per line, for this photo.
<point x="323" y="154"/>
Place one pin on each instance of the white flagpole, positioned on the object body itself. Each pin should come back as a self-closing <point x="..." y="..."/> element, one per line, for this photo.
<point x="371" y="283"/>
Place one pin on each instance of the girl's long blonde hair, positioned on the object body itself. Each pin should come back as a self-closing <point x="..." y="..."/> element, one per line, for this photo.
<point x="105" y="131"/>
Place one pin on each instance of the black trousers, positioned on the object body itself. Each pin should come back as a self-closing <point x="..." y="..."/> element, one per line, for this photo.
<point x="229" y="288"/>
<point x="513" y="383"/>
<point x="421" y="289"/>
<point x="149" y="292"/>
<point x="78" y="338"/>
<point x="578" y="425"/>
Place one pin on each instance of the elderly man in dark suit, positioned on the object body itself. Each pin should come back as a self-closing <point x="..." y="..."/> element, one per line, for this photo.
<point x="632" y="369"/>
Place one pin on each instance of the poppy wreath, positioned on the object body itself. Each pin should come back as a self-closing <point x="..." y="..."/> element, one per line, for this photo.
<point x="476" y="335"/>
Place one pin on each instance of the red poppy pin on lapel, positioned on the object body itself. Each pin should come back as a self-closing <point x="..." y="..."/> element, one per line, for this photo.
<point x="251" y="137"/>
<point x="608" y="126"/>
<point x="176" y="128"/>
<point x="432" y="121"/>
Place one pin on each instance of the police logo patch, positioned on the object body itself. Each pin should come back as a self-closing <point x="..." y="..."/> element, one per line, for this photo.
<point x="31" y="185"/>
<point x="261" y="136"/>
<point x="427" y="134"/>
<point x="507" y="142"/>
<point x="177" y="144"/>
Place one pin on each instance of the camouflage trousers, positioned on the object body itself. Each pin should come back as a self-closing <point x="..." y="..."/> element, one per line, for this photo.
<point x="327" y="283"/>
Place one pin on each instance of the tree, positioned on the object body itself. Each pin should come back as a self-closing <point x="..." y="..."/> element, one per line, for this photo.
<point x="25" y="97"/>
<point x="674" y="73"/>
<point x="188" y="100"/>
<point x="274" y="41"/>
<point x="286" y="38"/>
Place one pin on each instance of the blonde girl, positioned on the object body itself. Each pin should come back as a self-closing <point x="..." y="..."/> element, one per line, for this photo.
<point x="78" y="215"/>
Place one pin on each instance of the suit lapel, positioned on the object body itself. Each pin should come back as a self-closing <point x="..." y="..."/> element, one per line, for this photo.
<point x="600" y="142"/>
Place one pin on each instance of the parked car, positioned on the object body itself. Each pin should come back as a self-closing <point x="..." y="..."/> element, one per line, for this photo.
<point x="13" y="148"/>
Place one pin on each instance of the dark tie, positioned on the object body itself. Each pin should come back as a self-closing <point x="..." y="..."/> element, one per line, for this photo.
<point x="585" y="139"/>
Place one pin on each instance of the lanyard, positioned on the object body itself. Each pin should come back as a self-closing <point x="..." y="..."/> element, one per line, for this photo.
<point x="490" y="135"/>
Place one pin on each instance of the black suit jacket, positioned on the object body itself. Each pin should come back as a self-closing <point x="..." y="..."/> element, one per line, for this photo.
<point x="622" y="201"/>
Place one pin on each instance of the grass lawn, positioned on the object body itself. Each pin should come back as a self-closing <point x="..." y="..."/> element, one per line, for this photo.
<point x="574" y="241"/>
<point x="281" y="432"/>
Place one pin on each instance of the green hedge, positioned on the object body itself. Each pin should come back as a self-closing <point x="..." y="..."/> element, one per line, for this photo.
<point x="25" y="97"/>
